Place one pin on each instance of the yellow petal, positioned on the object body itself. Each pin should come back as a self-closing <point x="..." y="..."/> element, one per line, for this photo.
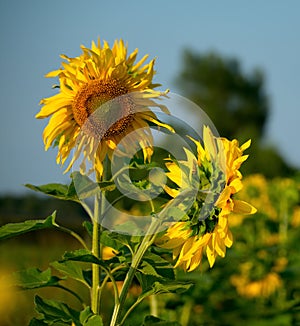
<point x="228" y="239"/>
<point x="241" y="207"/>
<point x="246" y="145"/>
<point x="171" y="192"/>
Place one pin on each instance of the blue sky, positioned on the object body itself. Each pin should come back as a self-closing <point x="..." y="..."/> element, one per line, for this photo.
<point x="34" y="33"/>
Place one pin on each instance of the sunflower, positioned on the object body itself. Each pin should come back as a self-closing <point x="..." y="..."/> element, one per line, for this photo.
<point x="104" y="95"/>
<point x="215" y="179"/>
<point x="264" y="287"/>
<point x="249" y="286"/>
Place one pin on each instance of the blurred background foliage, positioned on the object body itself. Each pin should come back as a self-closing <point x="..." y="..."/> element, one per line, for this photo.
<point x="236" y="102"/>
<point x="258" y="282"/>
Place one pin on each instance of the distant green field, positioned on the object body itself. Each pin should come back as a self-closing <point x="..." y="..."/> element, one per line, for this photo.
<point x="36" y="249"/>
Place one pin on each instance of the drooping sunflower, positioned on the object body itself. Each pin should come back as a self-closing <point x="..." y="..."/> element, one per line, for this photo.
<point x="104" y="95"/>
<point x="216" y="179"/>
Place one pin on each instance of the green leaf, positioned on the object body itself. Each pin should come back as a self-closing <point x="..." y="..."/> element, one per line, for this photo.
<point x="162" y="267"/>
<point x="89" y="227"/>
<point x="85" y="314"/>
<point x="56" y="190"/>
<point x="14" y="229"/>
<point x="153" y="269"/>
<point x="83" y="255"/>
<point x="151" y="320"/>
<point x="95" y="320"/>
<point x="70" y="269"/>
<point x="86" y="188"/>
<point x="55" y="311"/>
<point x="86" y="256"/>
<point x="80" y="184"/>
<point x="37" y="322"/>
<point x="87" y="318"/>
<point x="148" y="269"/>
<point x="115" y="240"/>
<point x="166" y="287"/>
<point x="33" y="278"/>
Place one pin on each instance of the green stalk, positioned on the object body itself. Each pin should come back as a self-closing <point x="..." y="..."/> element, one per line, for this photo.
<point x="99" y="209"/>
<point x="136" y="259"/>
<point x="95" y="304"/>
<point x="153" y="305"/>
<point x="73" y="234"/>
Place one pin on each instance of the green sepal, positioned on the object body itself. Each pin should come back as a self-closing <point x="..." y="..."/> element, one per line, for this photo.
<point x="14" y="229"/>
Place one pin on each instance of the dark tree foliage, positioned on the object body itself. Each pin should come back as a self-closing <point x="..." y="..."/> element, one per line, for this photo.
<point x="235" y="101"/>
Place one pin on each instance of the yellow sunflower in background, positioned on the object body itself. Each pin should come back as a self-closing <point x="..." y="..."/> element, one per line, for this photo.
<point x="104" y="94"/>
<point x="265" y="283"/>
<point x="204" y="228"/>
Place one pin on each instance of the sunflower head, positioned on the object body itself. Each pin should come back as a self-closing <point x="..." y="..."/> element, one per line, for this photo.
<point x="104" y="93"/>
<point x="205" y="224"/>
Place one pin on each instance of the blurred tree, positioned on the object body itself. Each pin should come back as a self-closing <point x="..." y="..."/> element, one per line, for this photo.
<point x="236" y="102"/>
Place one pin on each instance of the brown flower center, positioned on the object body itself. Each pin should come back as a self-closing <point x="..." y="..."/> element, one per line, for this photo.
<point x="103" y="108"/>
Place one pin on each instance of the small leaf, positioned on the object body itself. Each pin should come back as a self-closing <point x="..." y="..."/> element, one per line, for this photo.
<point x="95" y="320"/>
<point x="33" y="278"/>
<point x="87" y="318"/>
<point x="89" y="227"/>
<point x="87" y="274"/>
<point x="70" y="269"/>
<point x="151" y="320"/>
<point x="55" y="311"/>
<point x="14" y="229"/>
<point x="85" y="314"/>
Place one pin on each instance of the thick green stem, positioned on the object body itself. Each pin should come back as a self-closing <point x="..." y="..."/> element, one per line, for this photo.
<point x="136" y="259"/>
<point x="99" y="209"/>
<point x="153" y="305"/>
<point x="95" y="268"/>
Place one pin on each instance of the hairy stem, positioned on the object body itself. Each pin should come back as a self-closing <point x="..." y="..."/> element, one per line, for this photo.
<point x="95" y="302"/>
